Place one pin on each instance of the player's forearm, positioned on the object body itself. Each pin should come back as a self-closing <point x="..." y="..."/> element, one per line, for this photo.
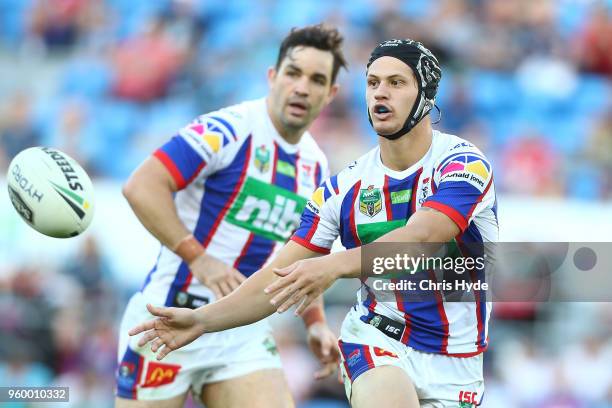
<point x="249" y="303"/>
<point x="246" y="305"/>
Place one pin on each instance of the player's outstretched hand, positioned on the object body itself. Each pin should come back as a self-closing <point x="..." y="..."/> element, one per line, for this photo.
<point x="300" y="283"/>
<point x="173" y="328"/>
<point x="324" y="345"/>
<point x="221" y="278"/>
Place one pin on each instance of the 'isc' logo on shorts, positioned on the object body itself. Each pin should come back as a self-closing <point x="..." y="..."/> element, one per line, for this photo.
<point x="467" y="399"/>
<point x="160" y="374"/>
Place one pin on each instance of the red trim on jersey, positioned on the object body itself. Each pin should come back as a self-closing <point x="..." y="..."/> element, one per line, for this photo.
<point x="245" y="248"/>
<point x="352" y="214"/>
<point x="346" y="367"/>
<point x="480" y="323"/>
<point x="450" y="212"/>
<point x="312" y="229"/>
<point x="373" y="303"/>
<point x="478" y="310"/>
<point x="368" y="356"/>
<point x="434" y="188"/>
<point x="317" y="173"/>
<point x="387" y="199"/>
<point x="442" y="312"/>
<point x="309" y="245"/>
<point x="187" y="282"/>
<point x="274" y="163"/>
<point x="229" y="202"/>
<point x="479" y="199"/>
<point x="138" y="375"/>
<point x="400" y="306"/>
<point x="171" y="167"/>
<point x="415" y="186"/>
<point x="226" y="207"/>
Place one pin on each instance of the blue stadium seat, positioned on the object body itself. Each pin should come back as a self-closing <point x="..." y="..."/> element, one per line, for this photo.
<point x="593" y="95"/>
<point x="492" y="91"/>
<point x="87" y="77"/>
<point x="12" y="20"/>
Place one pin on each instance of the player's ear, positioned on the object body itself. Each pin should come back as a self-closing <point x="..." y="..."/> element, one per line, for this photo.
<point x="271" y="75"/>
<point x="333" y="91"/>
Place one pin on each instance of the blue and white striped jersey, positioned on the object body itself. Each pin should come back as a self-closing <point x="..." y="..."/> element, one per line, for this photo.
<point x="242" y="189"/>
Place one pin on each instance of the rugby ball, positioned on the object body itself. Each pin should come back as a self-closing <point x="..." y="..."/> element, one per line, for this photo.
<point x="51" y="192"/>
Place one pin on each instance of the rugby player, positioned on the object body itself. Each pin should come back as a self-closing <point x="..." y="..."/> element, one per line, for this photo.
<point x="418" y="185"/>
<point x="222" y="196"/>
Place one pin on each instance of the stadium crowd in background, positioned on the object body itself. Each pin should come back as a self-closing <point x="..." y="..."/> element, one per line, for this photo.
<point x="529" y="82"/>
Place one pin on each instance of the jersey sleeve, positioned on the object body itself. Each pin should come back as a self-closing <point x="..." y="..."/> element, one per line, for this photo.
<point x="197" y="149"/>
<point x="462" y="184"/>
<point x="319" y="225"/>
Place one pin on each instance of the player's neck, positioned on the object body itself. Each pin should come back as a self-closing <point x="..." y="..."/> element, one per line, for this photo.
<point x="400" y="154"/>
<point x="291" y="136"/>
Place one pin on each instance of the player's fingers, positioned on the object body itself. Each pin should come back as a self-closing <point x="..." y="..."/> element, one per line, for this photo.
<point x="278" y="284"/>
<point x="232" y="283"/>
<point x="215" y="289"/>
<point x="295" y="298"/>
<point x="282" y="297"/>
<point x="163" y="352"/>
<point x="239" y="276"/>
<point x="160" y="311"/>
<point x="225" y="288"/>
<point x="307" y="300"/>
<point x="156" y="344"/>
<point x="326" y="346"/>
<point x="286" y="270"/>
<point x="147" y="337"/>
<point x="325" y="371"/>
<point x="335" y="351"/>
<point x="142" y="327"/>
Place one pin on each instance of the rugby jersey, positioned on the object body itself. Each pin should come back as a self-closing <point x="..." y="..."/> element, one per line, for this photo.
<point x="367" y="200"/>
<point x="242" y="189"/>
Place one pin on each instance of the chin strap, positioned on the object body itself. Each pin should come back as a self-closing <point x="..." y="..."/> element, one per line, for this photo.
<point x="439" y="115"/>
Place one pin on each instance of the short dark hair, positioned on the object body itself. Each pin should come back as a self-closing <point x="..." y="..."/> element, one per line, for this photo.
<point x="318" y="36"/>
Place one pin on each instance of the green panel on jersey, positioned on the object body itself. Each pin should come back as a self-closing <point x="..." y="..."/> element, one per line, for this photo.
<point x="372" y="231"/>
<point x="399" y="197"/>
<point x="285" y="168"/>
<point x="267" y="210"/>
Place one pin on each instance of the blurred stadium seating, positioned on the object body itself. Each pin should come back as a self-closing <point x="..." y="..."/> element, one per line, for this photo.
<point x="529" y="81"/>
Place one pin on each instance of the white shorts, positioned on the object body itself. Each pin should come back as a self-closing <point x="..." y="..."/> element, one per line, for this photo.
<point x="211" y="358"/>
<point x="439" y="380"/>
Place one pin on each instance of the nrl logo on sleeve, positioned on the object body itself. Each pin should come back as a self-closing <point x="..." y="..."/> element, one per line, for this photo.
<point x="370" y="201"/>
<point x="262" y="158"/>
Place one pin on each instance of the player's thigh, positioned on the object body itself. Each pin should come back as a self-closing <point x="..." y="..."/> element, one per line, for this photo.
<point x="384" y="386"/>
<point x="260" y="389"/>
<point x="174" y="402"/>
